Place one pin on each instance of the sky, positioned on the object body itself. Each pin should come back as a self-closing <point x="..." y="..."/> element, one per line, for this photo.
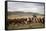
<point x="26" y="7"/>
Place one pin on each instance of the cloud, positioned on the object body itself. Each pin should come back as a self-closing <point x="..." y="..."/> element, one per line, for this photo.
<point x="26" y="7"/>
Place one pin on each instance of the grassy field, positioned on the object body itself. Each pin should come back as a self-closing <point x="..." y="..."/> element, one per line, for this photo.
<point x="26" y="26"/>
<point x="17" y="16"/>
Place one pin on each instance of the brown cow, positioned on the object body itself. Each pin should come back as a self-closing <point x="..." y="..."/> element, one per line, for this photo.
<point x="29" y="20"/>
<point x="42" y="20"/>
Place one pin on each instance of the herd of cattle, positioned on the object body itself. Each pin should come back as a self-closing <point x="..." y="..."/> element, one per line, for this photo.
<point x="26" y="20"/>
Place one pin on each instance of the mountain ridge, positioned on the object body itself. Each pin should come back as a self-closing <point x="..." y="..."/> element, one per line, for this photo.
<point x="23" y="13"/>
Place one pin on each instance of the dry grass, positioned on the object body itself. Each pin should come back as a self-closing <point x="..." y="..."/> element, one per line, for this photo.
<point x="26" y="26"/>
<point x="17" y="16"/>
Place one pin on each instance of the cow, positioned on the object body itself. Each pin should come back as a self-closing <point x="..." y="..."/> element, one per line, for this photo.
<point x="18" y="21"/>
<point x="29" y="21"/>
<point x="43" y="20"/>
